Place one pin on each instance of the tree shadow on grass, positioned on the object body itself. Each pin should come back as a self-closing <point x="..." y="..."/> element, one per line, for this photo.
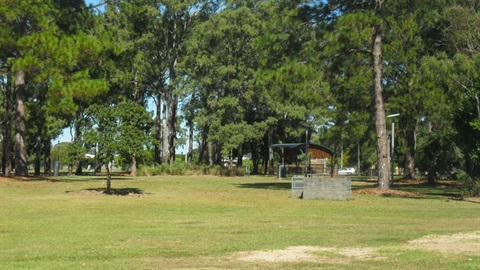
<point x="271" y="186"/>
<point x="416" y="189"/>
<point x="72" y="178"/>
<point x="450" y="190"/>
<point x="113" y="191"/>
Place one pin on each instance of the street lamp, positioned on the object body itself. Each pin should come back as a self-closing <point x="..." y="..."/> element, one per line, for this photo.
<point x="306" y="152"/>
<point x="56" y="168"/>
<point x="392" y="152"/>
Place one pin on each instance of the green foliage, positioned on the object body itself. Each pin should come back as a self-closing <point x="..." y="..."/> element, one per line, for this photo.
<point x="471" y="185"/>
<point x="74" y="152"/>
<point x="122" y="129"/>
<point x="438" y="155"/>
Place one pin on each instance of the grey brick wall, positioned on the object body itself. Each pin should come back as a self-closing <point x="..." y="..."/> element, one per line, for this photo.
<point x="325" y="188"/>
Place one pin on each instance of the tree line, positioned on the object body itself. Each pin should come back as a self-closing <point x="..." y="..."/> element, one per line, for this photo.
<point x="234" y="77"/>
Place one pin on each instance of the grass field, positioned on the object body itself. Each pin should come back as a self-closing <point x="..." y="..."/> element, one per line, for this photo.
<point x="201" y="222"/>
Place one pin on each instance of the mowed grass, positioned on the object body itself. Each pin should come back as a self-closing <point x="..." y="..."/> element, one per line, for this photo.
<point x="200" y="222"/>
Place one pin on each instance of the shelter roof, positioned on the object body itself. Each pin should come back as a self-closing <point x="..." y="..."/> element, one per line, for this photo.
<point x="317" y="151"/>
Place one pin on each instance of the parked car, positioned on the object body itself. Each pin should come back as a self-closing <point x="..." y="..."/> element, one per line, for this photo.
<point x="346" y="171"/>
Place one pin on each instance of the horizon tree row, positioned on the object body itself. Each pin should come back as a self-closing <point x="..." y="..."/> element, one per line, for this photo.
<point x="242" y="75"/>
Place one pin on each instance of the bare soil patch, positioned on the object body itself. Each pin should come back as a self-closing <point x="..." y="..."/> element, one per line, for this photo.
<point x="310" y="254"/>
<point x="460" y="243"/>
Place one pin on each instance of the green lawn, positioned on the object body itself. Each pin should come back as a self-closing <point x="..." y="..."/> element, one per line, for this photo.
<point x="202" y="222"/>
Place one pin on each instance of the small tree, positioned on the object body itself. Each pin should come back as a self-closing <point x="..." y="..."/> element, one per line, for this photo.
<point x="118" y="130"/>
<point x="134" y="128"/>
<point x="105" y="134"/>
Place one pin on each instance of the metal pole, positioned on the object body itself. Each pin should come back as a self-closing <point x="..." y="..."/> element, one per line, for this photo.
<point x="358" y="159"/>
<point x="306" y="152"/>
<point x="393" y="152"/>
<point x="57" y="163"/>
<point x="95" y="159"/>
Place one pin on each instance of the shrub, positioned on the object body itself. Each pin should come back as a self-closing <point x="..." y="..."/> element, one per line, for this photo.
<point x="471" y="184"/>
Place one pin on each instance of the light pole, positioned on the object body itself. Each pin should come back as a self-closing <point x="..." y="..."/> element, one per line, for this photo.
<point x="56" y="168"/>
<point x="392" y="151"/>
<point x="306" y="152"/>
<point x="95" y="159"/>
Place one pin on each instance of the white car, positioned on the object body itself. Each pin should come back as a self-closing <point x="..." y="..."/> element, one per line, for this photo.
<point x="346" y="171"/>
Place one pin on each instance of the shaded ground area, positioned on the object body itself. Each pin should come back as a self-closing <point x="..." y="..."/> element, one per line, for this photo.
<point x="114" y="191"/>
<point x="447" y="189"/>
<point x="389" y="192"/>
<point x="66" y="178"/>
<point x="274" y="185"/>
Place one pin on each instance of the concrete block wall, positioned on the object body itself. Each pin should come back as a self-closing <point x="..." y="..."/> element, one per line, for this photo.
<point x="326" y="188"/>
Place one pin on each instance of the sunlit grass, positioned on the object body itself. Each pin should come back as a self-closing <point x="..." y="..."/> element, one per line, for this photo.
<point x="200" y="221"/>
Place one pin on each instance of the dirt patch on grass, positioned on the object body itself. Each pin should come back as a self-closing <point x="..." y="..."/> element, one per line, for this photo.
<point x="460" y="243"/>
<point x="310" y="254"/>
<point x="473" y="199"/>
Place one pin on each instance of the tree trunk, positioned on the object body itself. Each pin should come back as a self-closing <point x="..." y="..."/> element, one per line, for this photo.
<point x="217" y="158"/>
<point x="78" y="140"/>
<point x="334" y="167"/>
<point x="409" y="165"/>
<point x="190" y="144"/>
<point x="21" y="168"/>
<point x="108" y="189"/>
<point x="210" y="154"/>
<point x="240" y="157"/>
<point x="380" y="122"/>
<point x="7" y="138"/>
<point x="172" y="127"/>
<point x="47" y="169"/>
<point x="38" y="152"/>
<point x="409" y="169"/>
<point x="270" y="151"/>
<point x="139" y="95"/>
<point x="255" y="161"/>
<point x="158" y="131"/>
<point x="98" y="167"/>
<point x="134" y="165"/>
<point x="203" y="148"/>
<point x="165" y="131"/>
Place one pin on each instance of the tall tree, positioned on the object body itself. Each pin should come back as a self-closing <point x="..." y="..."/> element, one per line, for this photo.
<point x="412" y="35"/>
<point x="290" y="82"/>
<point x="359" y="28"/>
<point x="49" y="56"/>
<point x="461" y="36"/>
<point x="24" y="21"/>
<point x="165" y="25"/>
<point x="222" y="61"/>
